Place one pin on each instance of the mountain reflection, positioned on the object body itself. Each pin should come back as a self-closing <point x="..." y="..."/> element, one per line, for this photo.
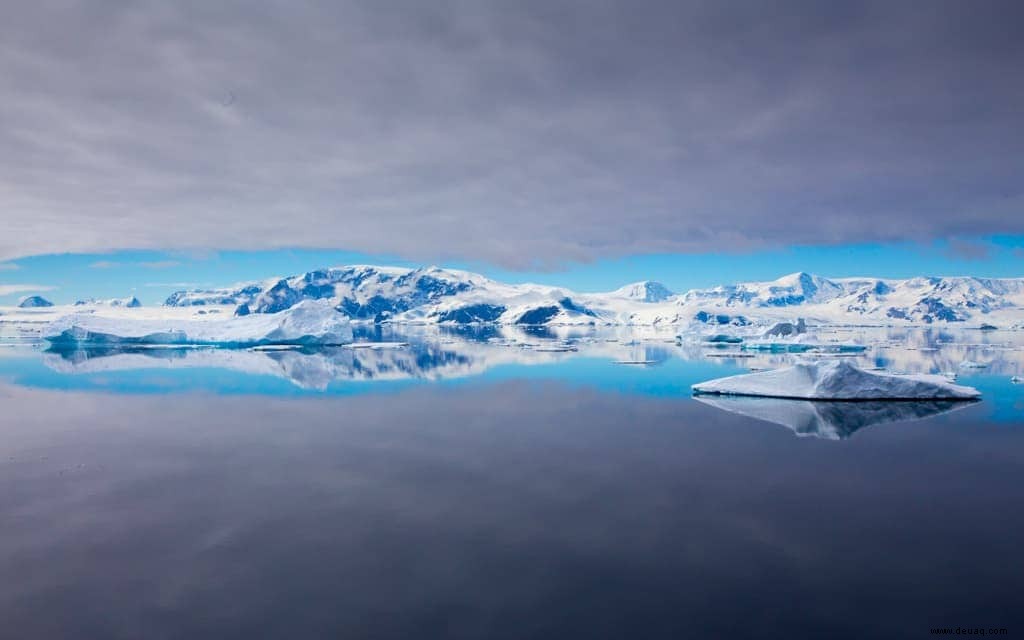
<point x="830" y="420"/>
<point x="377" y="355"/>
<point x="408" y="352"/>
<point x="312" y="369"/>
<point x="308" y="369"/>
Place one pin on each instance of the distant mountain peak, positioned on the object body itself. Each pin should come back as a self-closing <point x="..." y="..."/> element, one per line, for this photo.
<point x="33" y="302"/>
<point x="130" y="302"/>
<point x="644" y="291"/>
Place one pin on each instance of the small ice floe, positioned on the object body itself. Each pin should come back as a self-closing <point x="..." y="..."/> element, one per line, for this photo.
<point x="378" y="345"/>
<point x="803" y="347"/>
<point x="836" y="380"/>
<point x="637" y="362"/>
<point x="778" y="347"/>
<point x="1017" y="380"/>
<point x="310" y="322"/>
<point x="722" y="338"/>
<point x="970" y="364"/>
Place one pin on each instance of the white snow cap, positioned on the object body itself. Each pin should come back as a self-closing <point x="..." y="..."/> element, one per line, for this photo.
<point x="836" y="380"/>
<point x="645" y="291"/>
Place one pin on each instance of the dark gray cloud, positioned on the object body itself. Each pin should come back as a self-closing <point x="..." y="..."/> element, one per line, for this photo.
<point x="959" y="249"/>
<point x="519" y="132"/>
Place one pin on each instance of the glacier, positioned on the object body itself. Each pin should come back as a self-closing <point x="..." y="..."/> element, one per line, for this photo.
<point x="836" y="380"/>
<point x="306" y="323"/>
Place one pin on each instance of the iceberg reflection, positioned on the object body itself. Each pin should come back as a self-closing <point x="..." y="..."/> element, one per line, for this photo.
<point x="831" y="420"/>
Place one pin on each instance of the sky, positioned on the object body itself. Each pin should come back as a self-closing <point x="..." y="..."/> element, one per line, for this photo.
<point x="592" y="142"/>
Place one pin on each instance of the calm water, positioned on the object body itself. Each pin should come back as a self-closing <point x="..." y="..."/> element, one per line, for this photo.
<point x="499" y="486"/>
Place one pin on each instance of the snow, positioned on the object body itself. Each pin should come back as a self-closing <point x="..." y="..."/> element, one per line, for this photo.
<point x="646" y="291"/>
<point x="374" y="294"/>
<point x="309" y="322"/>
<point x="836" y="380"/>
<point x="913" y="301"/>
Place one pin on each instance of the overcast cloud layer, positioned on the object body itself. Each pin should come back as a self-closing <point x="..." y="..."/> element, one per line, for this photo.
<point x="523" y="133"/>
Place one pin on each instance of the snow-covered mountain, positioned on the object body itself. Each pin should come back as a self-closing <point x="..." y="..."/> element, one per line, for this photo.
<point x="433" y="295"/>
<point x="918" y="300"/>
<point x="646" y="291"/>
<point x="378" y="294"/>
<point x="34" y="302"/>
<point x="129" y="303"/>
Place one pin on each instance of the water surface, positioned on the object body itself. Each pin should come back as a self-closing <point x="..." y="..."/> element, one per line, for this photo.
<point x="460" y="487"/>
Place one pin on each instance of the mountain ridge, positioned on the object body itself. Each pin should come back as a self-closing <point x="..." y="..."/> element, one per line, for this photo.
<point x="379" y="294"/>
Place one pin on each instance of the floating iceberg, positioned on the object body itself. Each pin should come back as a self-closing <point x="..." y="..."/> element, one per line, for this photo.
<point x="836" y="380"/>
<point x="830" y="420"/>
<point x="779" y="347"/>
<point x="723" y="338"/>
<point x="803" y="347"/>
<point x="310" y="322"/>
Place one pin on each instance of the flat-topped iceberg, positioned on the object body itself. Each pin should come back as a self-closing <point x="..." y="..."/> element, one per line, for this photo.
<point x="836" y="380"/>
<point x="310" y="322"/>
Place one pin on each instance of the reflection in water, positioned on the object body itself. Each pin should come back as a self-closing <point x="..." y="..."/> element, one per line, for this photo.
<point x="516" y="510"/>
<point x="316" y="368"/>
<point x="578" y="355"/>
<point x="440" y="352"/>
<point x="830" y="420"/>
<point x="307" y="368"/>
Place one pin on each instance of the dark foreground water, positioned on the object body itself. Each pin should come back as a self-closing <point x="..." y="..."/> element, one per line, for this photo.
<point x="517" y="507"/>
